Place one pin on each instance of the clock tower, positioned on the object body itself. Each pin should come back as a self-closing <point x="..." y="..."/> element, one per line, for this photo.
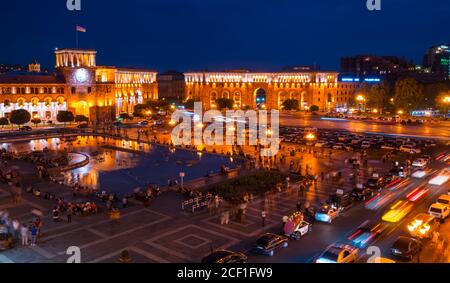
<point x="77" y="66"/>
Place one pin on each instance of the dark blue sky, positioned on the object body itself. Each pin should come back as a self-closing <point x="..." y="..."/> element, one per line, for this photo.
<point x="221" y="34"/>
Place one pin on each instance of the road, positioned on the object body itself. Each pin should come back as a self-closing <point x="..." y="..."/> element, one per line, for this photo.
<point x="307" y="249"/>
<point x="441" y="131"/>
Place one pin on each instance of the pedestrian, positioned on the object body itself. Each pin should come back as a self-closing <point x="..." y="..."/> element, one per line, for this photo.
<point x="263" y="217"/>
<point x="33" y="233"/>
<point x="55" y="215"/>
<point x="24" y="234"/>
<point x="69" y="214"/>
<point x="16" y="228"/>
<point x="284" y="220"/>
<point x="124" y="202"/>
<point x="299" y="206"/>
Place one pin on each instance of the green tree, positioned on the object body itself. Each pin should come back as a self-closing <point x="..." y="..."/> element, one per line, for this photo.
<point x="378" y="97"/>
<point x="408" y="94"/>
<point x="314" y="108"/>
<point x="140" y="110"/>
<point x="125" y="116"/>
<point x="65" y="117"/>
<point x="20" y="117"/>
<point x="225" y="103"/>
<point x="291" y="104"/>
<point x="36" y="121"/>
<point x="4" y="121"/>
<point x="81" y="119"/>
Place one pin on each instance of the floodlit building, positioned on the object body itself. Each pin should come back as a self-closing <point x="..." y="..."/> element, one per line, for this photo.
<point x="77" y="85"/>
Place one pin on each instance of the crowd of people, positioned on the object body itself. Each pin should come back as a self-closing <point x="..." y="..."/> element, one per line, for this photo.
<point x="14" y="231"/>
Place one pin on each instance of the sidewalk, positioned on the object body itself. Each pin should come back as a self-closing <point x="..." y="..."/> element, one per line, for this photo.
<point x="438" y="252"/>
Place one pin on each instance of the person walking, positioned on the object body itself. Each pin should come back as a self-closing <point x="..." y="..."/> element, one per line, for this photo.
<point x="16" y="228"/>
<point x="124" y="202"/>
<point x="69" y="214"/>
<point x="55" y="215"/>
<point x="33" y="233"/>
<point x="263" y="218"/>
<point x="24" y="234"/>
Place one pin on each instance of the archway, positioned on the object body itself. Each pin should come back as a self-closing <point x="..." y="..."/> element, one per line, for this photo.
<point x="261" y="97"/>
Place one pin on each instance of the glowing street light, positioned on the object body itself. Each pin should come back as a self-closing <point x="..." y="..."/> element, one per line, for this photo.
<point x="375" y="110"/>
<point x="400" y="112"/>
<point x="172" y="122"/>
<point x="310" y="136"/>
<point x="200" y="125"/>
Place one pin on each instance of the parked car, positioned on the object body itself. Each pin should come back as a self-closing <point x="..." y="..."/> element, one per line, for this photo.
<point x="420" y="163"/>
<point x="25" y="128"/>
<point x="410" y="149"/>
<point x="406" y="248"/>
<point x="225" y="256"/>
<point x="327" y="213"/>
<point x="362" y="193"/>
<point x="268" y="243"/>
<point x="444" y="199"/>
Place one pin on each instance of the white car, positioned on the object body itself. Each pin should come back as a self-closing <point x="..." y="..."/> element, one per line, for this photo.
<point x="444" y="200"/>
<point x="420" y="162"/>
<point x="320" y="144"/>
<point x="327" y="213"/>
<point x="338" y="146"/>
<point x="439" y="210"/>
<point x="440" y="179"/>
<point x="365" y="144"/>
<point x="410" y="149"/>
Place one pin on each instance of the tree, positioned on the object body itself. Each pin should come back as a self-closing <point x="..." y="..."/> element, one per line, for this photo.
<point x="314" y="108"/>
<point x="189" y="104"/>
<point x="378" y="97"/>
<point x="408" y="94"/>
<point x="291" y="104"/>
<point x="225" y="103"/>
<point x="125" y="116"/>
<point x="36" y="121"/>
<point x="4" y="121"/>
<point x="141" y="110"/>
<point x="20" y="117"/>
<point x="65" y="117"/>
<point x="81" y="119"/>
<point x="443" y="102"/>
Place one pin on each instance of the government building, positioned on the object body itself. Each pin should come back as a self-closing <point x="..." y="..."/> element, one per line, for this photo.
<point x="77" y="85"/>
<point x="270" y="90"/>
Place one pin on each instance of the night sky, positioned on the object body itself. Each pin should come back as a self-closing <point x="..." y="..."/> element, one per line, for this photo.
<point x="222" y="34"/>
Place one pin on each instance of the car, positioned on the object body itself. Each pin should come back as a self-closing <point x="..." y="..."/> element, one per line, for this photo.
<point x="158" y="123"/>
<point x="25" y="128"/>
<point x="417" y="194"/>
<point x="366" y="233"/>
<point x="341" y="201"/>
<point x="83" y="126"/>
<point x="420" y="174"/>
<point x="420" y="163"/>
<point x="380" y="260"/>
<point x="338" y="146"/>
<point x="375" y="183"/>
<point x="327" y="213"/>
<point x="397" y="211"/>
<point x="410" y="149"/>
<point x="423" y="226"/>
<point x="339" y="253"/>
<point x="268" y="243"/>
<point x="362" y="193"/>
<point x="296" y="227"/>
<point x="365" y="144"/>
<point x="406" y="248"/>
<point x="143" y="123"/>
<point x="320" y="144"/>
<point x="6" y="239"/>
<point x="444" y="199"/>
<point x="441" y="178"/>
<point x="439" y="210"/>
<point x="225" y="256"/>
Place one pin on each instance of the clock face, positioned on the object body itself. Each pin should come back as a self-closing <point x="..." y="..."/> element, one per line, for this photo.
<point x="81" y="75"/>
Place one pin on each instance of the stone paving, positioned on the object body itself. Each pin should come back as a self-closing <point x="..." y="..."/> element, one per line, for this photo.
<point x="160" y="233"/>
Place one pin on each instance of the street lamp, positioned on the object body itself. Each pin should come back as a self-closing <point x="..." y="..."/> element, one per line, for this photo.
<point x="400" y="112"/>
<point x="361" y="99"/>
<point x="446" y="100"/>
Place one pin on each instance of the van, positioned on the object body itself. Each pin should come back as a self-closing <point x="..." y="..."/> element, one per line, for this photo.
<point x="439" y="210"/>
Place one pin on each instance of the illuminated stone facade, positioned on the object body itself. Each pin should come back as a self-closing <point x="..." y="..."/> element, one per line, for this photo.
<point x="78" y="85"/>
<point x="270" y="90"/>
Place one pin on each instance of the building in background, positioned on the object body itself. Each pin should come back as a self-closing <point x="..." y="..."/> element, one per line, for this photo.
<point x="370" y="66"/>
<point x="436" y="61"/>
<point x="171" y="85"/>
<point x="77" y="85"/>
<point x="270" y="90"/>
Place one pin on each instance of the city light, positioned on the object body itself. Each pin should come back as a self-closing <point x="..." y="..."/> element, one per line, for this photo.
<point x="400" y="112"/>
